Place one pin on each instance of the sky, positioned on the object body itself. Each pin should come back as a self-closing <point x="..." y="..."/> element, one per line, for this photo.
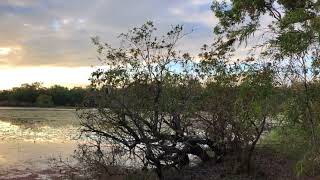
<point x="48" y="41"/>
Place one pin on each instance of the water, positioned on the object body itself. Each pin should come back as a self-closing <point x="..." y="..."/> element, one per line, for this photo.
<point x="31" y="136"/>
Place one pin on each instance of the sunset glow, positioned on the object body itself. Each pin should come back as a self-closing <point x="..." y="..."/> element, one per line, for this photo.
<point x="70" y="77"/>
<point x="50" y="41"/>
<point x="5" y="51"/>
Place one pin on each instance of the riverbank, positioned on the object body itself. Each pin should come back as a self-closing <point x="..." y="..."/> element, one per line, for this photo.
<point x="267" y="165"/>
<point x="32" y="106"/>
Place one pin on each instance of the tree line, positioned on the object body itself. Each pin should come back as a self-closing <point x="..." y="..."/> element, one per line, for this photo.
<point x="36" y="95"/>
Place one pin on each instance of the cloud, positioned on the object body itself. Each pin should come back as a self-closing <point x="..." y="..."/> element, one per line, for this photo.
<point x="206" y="18"/>
<point x="201" y="2"/>
<point x="57" y="33"/>
<point x="49" y="40"/>
<point x="195" y="11"/>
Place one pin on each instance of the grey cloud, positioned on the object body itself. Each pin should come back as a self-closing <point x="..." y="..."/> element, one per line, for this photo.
<point x="57" y="32"/>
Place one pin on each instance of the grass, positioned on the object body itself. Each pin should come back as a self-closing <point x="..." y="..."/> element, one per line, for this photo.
<point x="293" y="143"/>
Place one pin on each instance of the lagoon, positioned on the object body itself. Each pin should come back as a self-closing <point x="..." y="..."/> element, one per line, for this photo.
<point x="29" y="137"/>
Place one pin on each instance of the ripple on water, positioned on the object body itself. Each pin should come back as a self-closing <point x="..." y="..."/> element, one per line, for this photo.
<point x="9" y="131"/>
<point x="29" y="137"/>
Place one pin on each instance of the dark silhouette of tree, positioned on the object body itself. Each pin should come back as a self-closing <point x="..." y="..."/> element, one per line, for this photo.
<point x="142" y="105"/>
<point x="162" y="116"/>
<point x="34" y="95"/>
<point x="44" y="101"/>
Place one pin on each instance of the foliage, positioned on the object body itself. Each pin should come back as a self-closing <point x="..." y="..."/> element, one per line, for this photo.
<point x="293" y="45"/>
<point x="142" y="105"/>
<point x="44" y="101"/>
<point x="36" y="95"/>
<point x="161" y="117"/>
<point x="239" y="101"/>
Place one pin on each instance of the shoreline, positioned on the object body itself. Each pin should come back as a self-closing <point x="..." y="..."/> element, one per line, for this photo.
<point x="37" y="107"/>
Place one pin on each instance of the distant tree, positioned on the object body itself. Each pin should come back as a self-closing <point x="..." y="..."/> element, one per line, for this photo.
<point x="27" y="93"/>
<point x="77" y="95"/>
<point x="4" y="95"/>
<point x="44" y="101"/>
<point x="60" y="95"/>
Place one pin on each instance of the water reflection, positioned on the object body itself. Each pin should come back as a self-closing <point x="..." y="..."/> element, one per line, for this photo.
<point x="9" y="132"/>
<point x="29" y="136"/>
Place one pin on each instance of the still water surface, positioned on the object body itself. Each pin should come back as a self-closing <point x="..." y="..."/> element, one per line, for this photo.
<point x="30" y="136"/>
